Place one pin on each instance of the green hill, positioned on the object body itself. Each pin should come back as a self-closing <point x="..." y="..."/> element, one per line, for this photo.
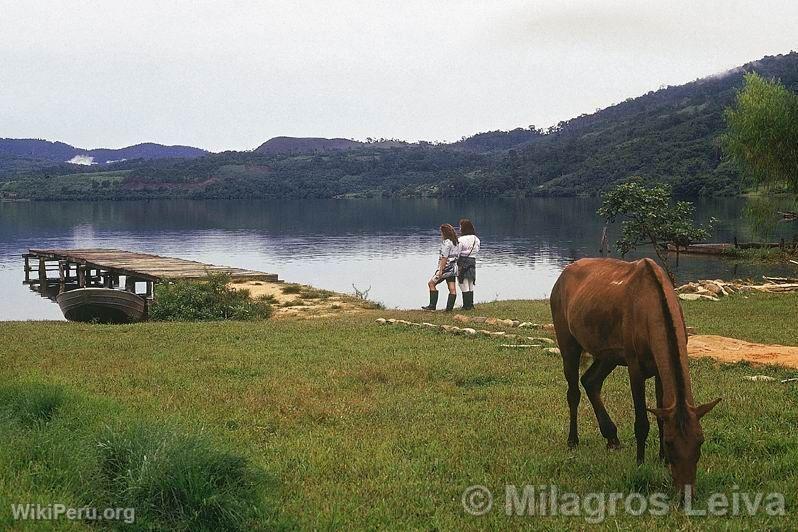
<point x="668" y="135"/>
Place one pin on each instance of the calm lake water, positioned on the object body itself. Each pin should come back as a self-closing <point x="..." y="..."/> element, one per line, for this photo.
<point x="388" y="246"/>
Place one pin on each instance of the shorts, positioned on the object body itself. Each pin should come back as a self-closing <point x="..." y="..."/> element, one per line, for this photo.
<point x="438" y="280"/>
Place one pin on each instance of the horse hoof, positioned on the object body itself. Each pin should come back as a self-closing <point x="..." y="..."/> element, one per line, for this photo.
<point x="613" y="445"/>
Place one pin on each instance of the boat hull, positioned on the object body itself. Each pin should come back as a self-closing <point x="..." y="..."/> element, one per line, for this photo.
<point x="102" y="305"/>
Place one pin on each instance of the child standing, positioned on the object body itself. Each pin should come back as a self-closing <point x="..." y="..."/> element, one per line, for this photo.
<point x="467" y="262"/>
<point x="447" y="269"/>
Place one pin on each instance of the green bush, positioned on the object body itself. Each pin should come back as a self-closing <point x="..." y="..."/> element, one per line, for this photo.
<point x="208" y="300"/>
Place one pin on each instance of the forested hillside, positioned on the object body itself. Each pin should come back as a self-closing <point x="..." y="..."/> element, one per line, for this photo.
<point x="23" y="156"/>
<point x="668" y="135"/>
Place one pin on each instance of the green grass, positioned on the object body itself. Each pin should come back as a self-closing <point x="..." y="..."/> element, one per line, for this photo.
<point x="373" y="427"/>
<point x="63" y="448"/>
<point x="773" y="255"/>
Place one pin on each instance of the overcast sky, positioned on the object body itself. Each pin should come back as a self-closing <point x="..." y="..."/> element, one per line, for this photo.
<point x="229" y="75"/>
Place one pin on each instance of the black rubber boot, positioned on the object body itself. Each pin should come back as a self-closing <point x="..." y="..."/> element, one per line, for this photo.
<point x="450" y="302"/>
<point x="433" y="301"/>
<point x="468" y="300"/>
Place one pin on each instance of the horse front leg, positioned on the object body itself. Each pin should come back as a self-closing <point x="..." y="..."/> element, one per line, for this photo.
<point x="571" y="354"/>
<point x="638" y="385"/>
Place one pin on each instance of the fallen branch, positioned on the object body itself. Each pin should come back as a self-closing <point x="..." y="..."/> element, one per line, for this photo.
<point x="780" y="280"/>
<point x="713" y="289"/>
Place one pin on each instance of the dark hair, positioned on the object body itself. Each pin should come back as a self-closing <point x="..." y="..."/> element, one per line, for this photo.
<point x="466" y="227"/>
<point x="448" y="233"/>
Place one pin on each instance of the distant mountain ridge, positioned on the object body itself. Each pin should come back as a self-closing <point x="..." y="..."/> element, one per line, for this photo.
<point x="60" y="152"/>
<point x="669" y="136"/>
<point x="296" y="145"/>
<point x="309" y="145"/>
<point x="480" y="143"/>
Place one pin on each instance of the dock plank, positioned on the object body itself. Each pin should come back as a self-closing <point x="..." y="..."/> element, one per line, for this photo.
<point x="146" y="265"/>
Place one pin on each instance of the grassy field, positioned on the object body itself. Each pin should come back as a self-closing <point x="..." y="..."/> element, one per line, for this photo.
<point x="341" y="423"/>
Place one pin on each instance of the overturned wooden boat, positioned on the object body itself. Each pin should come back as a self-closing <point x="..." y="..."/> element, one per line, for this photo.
<point x="102" y="305"/>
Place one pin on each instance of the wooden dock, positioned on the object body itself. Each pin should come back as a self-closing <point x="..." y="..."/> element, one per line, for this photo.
<point x="105" y="267"/>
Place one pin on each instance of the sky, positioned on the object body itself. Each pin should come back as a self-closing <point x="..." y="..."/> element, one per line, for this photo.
<point x="231" y="74"/>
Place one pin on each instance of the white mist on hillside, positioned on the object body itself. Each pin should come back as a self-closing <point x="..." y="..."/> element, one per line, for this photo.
<point x="82" y="159"/>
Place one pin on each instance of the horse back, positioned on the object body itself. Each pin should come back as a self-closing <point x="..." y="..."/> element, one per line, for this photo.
<point x="613" y="308"/>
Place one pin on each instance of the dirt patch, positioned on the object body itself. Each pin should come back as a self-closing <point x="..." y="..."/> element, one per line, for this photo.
<point x="733" y="350"/>
<point x="291" y="300"/>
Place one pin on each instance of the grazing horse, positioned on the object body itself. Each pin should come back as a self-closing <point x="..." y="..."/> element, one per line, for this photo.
<point x="627" y="314"/>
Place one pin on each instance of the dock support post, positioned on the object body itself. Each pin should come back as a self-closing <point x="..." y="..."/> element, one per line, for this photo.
<point x="81" y="276"/>
<point x="27" y="269"/>
<point x="149" y="289"/>
<point x="107" y="283"/>
<point x="61" y="276"/>
<point x="42" y="274"/>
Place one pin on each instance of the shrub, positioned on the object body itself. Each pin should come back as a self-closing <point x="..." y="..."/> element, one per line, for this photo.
<point x="207" y="300"/>
<point x="292" y="289"/>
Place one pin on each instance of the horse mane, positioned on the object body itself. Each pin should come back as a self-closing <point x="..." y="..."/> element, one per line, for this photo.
<point x="674" y="353"/>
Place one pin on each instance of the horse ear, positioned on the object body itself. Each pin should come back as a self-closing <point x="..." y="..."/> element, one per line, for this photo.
<point x="661" y="413"/>
<point x="704" y="409"/>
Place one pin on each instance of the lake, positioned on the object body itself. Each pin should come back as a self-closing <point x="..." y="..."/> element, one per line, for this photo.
<point x="387" y="246"/>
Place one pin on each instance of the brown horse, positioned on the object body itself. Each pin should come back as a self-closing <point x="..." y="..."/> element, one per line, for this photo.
<point x="627" y="314"/>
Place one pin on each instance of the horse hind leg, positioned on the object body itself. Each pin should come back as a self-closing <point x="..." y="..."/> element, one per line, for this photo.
<point x="571" y="354"/>
<point x="658" y="388"/>
<point x="593" y="380"/>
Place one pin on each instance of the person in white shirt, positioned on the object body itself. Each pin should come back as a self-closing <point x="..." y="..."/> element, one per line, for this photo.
<point x="467" y="262"/>
<point x="447" y="269"/>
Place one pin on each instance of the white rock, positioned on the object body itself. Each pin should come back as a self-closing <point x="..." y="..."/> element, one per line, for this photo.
<point x="758" y="378"/>
<point x="696" y="297"/>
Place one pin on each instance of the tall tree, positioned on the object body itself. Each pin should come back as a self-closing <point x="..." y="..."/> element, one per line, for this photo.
<point x="762" y="132"/>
